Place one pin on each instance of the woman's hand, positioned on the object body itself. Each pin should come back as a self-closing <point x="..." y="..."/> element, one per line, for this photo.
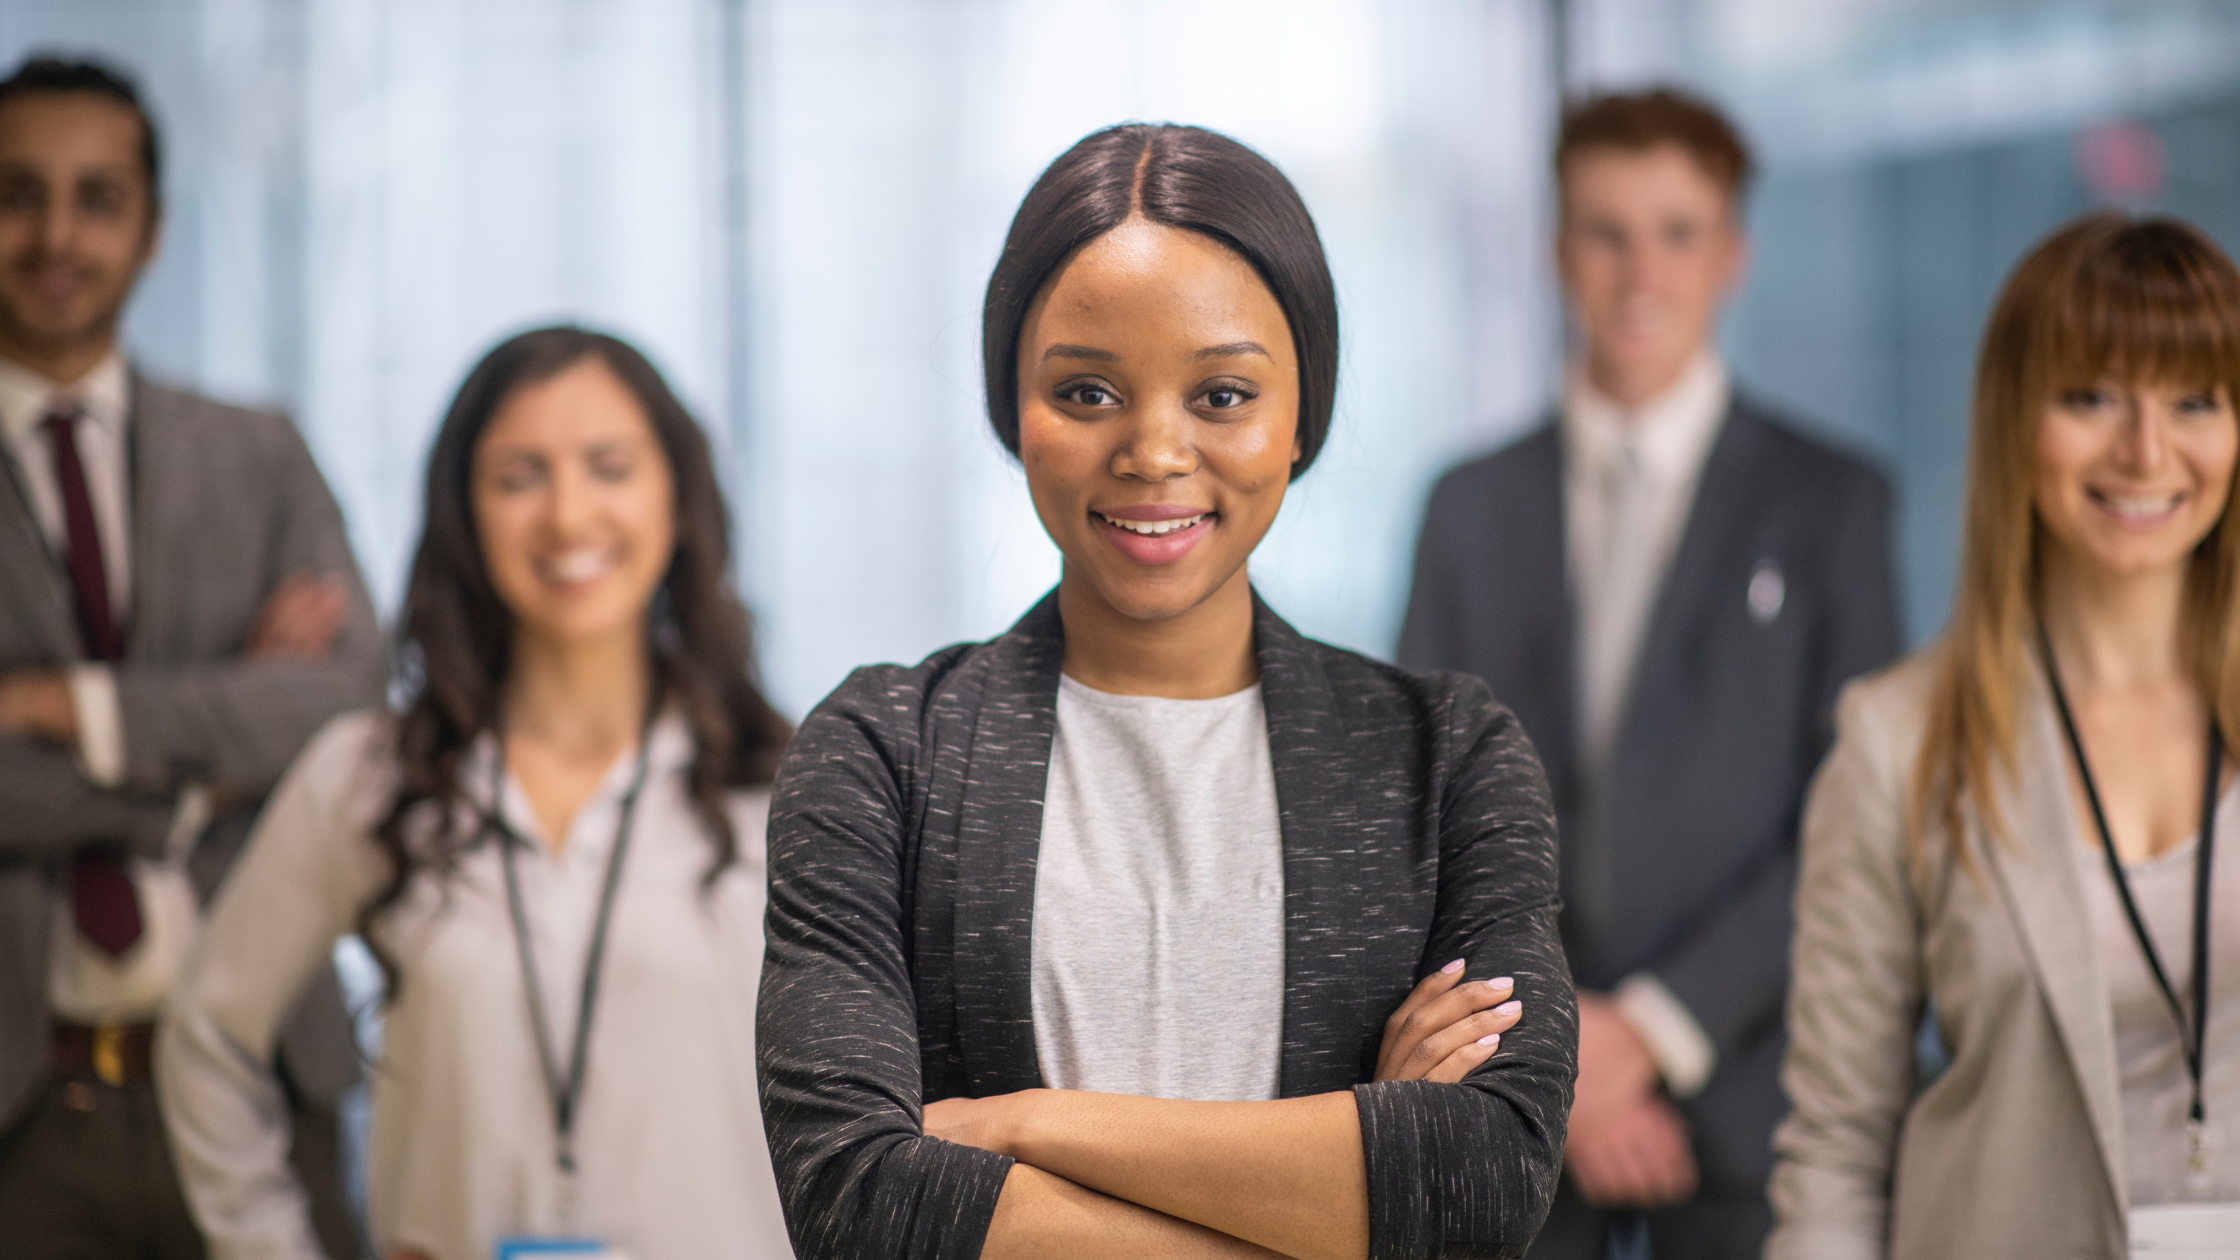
<point x="1446" y="1027"/>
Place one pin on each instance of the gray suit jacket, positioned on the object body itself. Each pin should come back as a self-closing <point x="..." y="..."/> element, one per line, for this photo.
<point x="1683" y="863"/>
<point x="225" y="503"/>
<point x="2016" y="1149"/>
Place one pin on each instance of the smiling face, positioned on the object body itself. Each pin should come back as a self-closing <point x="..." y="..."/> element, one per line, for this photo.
<point x="1158" y="417"/>
<point x="1649" y="249"/>
<point x="77" y="224"/>
<point x="575" y="506"/>
<point x="2130" y="478"/>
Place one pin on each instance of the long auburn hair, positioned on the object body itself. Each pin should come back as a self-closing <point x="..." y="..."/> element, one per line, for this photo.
<point x="2147" y="300"/>
<point x="455" y="638"/>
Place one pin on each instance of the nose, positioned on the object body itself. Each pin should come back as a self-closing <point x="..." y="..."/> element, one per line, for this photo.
<point x="570" y="506"/>
<point x="54" y="226"/>
<point x="1156" y="445"/>
<point x="2144" y="440"/>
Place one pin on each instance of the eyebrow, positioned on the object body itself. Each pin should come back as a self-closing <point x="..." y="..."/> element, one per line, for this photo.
<point x="1232" y="349"/>
<point x="1063" y="350"/>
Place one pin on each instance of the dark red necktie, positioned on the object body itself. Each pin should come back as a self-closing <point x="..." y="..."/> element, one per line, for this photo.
<point x="102" y="896"/>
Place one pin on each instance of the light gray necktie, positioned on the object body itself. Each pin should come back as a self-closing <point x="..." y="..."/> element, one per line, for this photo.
<point x="1617" y="606"/>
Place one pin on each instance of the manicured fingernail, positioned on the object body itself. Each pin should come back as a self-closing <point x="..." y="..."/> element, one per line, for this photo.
<point x="1451" y="968"/>
<point x="1501" y="984"/>
<point x="1508" y="1008"/>
<point x="1490" y="1040"/>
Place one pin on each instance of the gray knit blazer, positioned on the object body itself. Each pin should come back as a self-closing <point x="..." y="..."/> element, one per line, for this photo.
<point x="908" y="813"/>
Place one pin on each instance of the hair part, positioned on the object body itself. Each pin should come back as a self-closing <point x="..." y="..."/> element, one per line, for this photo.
<point x="455" y="637"/>
<point x="1639" y="121"/>
<point x="47" y="73"/>
<point x="2149" y="301"/>
<point x="1180" y="177"/>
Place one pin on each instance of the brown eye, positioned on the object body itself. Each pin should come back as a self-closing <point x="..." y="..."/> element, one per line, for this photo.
<point x="101" y="199"/>
<point x="513" y="476"/>
<point x="612" y="466"/>
<point x="1089" y="394"/>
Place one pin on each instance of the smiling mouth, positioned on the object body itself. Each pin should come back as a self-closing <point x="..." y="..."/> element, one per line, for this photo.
<point x="2138" y="509"/>
<point x="578" y="565"/>
<point x="1152" y="529"/>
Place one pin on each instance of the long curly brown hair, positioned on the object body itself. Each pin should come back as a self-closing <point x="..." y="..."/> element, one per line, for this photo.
<point x="455" y="637"/>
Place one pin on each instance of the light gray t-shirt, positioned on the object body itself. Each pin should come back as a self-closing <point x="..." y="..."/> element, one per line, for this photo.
<point x="1158" y="899"/>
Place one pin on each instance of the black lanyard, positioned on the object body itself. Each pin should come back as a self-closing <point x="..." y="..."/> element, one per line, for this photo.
<point x="2191" y="1039"/>
<point x="565" y="1093"/>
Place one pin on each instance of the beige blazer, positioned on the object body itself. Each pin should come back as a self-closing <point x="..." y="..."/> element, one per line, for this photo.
<point x="2016" y="1150"/>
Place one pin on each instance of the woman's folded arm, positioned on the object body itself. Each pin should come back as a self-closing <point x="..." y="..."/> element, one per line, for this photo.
<point x="1471" y="1169"/>
<point x="836" y="1029"/>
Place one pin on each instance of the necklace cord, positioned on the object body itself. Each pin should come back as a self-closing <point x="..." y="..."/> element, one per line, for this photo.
<point x="565" y="1094"/>
<point x="2192" y="1034"/>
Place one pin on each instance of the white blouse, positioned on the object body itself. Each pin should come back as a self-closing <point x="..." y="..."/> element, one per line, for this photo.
<point x="671" y="1160"/>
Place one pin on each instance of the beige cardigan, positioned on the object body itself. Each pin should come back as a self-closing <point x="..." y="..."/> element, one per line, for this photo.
<point x="2016" y="1150"/>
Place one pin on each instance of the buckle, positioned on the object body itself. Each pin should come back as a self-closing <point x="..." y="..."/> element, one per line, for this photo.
<point x="108" y="1053"/>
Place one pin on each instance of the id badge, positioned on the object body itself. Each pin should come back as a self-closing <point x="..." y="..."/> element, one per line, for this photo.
<point x="524" y="1248"/>
<point x="2186" y="1231"/>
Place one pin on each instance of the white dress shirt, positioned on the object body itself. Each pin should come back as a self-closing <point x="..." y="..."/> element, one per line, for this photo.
<point x="671" y="1159"/>
<point x="1615" y="582"/>
<point x="84" y="983"/>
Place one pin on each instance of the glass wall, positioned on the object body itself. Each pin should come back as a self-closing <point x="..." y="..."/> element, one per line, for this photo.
<point x="1912" y="153"/>
<point x="793" y="204"/>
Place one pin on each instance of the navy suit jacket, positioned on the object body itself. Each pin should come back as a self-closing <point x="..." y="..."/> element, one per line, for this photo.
<point x="1682" y="862"/>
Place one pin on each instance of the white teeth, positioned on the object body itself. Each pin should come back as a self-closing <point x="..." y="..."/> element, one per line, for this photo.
<point x="2140" y="505"/>
<point x="1152" y="529"/>
<point x="580" y="565"/>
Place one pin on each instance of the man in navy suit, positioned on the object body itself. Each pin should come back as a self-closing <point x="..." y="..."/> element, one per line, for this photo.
<point x="1668" y="584"/>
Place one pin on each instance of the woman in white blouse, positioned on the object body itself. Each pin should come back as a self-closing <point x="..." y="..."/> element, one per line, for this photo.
<point x="2015" y="826"/>
<point x="556" y="853"/>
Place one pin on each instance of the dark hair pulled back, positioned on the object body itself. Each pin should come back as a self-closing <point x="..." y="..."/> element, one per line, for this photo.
<point x="1182" y="177"/>
<point x="455" y="637"/>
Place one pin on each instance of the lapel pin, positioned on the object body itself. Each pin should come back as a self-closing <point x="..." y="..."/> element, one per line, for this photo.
<point x="1766" y="593"/>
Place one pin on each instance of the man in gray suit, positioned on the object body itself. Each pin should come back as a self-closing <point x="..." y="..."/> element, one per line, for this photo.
<point x="178" y="613"/>
<point x="1668" y="585"/>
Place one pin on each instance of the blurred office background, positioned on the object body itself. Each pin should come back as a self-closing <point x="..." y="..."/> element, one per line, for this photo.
<point x="792" y="204"/>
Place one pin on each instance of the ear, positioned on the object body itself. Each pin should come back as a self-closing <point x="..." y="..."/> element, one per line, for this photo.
<point x="1738" y="259"/>
<point x="151" y="242"/>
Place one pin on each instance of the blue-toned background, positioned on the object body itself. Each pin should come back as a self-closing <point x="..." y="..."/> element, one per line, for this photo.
<point x="793" y="204"/>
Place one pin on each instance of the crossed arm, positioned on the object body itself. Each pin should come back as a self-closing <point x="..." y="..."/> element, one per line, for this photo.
<point x="1103" y="1175"/>
<point x="46" y="803"/>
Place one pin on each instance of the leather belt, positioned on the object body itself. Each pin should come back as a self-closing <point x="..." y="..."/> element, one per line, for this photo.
<point x="115" y="1054"/>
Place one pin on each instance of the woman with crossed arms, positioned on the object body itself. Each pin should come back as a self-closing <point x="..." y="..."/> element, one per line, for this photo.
<point x="555" y="851"/>
<point x="2016" y="824"/>
<point x="1153" y="927"/>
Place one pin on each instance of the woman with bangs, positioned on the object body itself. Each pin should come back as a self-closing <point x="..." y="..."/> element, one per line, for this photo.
<point x="2015" y="828"/>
